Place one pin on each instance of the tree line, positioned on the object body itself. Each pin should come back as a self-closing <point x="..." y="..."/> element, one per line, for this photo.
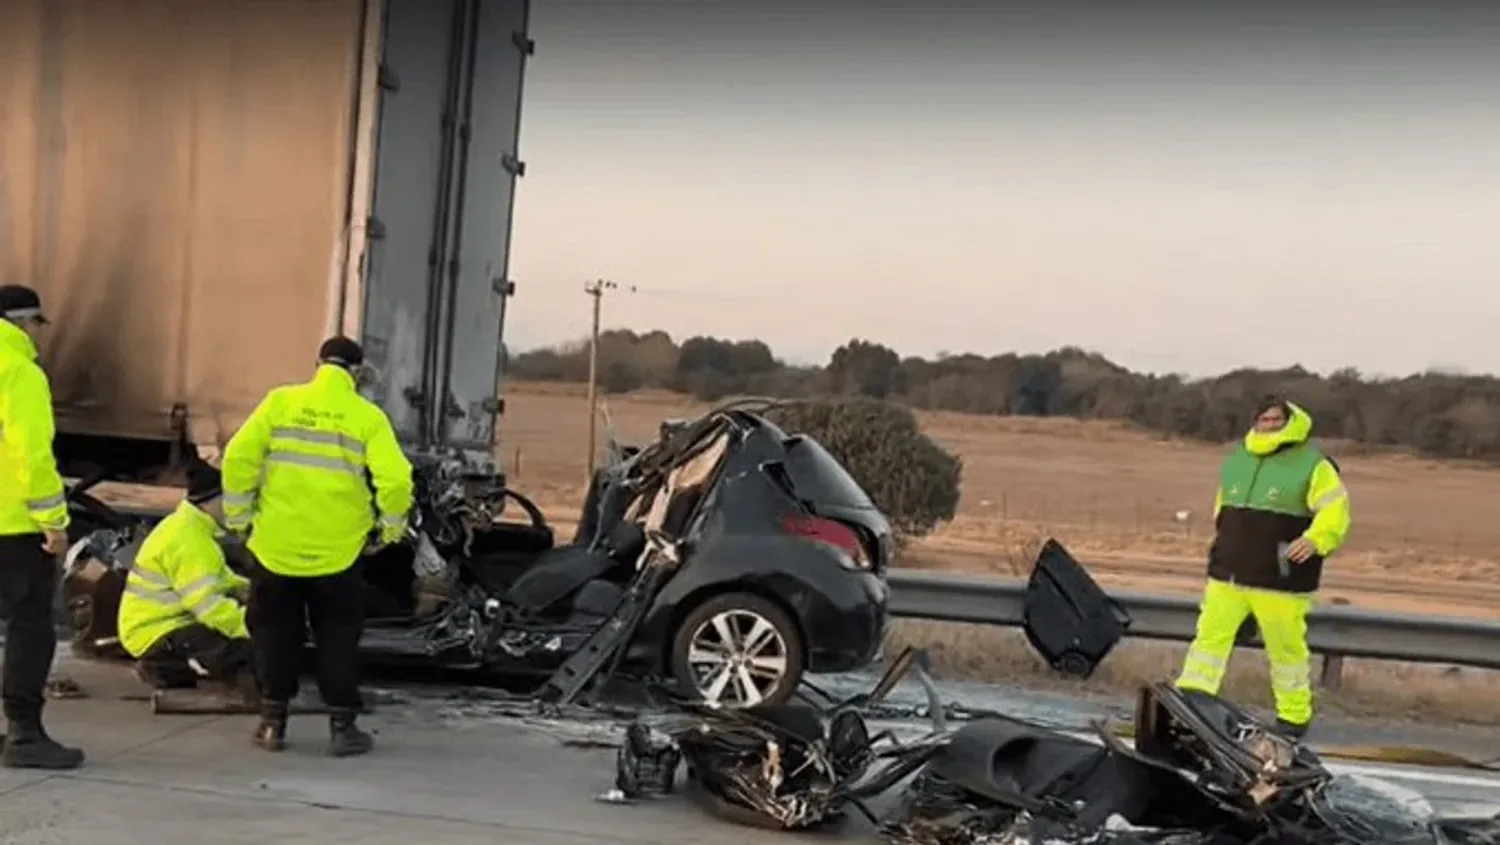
<point x="1435" y="414"/>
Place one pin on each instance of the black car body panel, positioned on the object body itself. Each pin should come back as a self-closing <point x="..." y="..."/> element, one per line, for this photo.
<point x="841" y="613"/>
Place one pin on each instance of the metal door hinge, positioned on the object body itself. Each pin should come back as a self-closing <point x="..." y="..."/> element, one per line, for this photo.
<point x="514" y="166"/>
<point x="523" y="42"/>
<point x="374" y="229"/>
<point x="502" y="286"/>
<point x="493" y="405"/>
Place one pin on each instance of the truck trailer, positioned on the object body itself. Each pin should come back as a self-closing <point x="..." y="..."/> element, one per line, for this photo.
<point x="202" y="191"/>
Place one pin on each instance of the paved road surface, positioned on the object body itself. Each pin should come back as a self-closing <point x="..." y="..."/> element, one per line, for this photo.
<point x="440" y="774"/>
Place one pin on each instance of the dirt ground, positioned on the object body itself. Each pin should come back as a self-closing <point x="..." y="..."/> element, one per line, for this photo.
<point x="1134" y="508"/>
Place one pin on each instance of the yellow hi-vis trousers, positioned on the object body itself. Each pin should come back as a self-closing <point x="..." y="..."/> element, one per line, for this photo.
<point x="1282" y="619"/>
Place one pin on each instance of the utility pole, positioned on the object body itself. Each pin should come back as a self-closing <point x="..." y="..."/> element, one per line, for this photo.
<point x="596" y="290"/>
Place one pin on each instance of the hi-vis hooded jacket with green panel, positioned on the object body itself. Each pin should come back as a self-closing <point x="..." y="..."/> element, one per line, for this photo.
<point x="180" y="578"/>
<point x="1273" y="489"/>
<point x="31" y="490"/>
<point x="298" y="475"/>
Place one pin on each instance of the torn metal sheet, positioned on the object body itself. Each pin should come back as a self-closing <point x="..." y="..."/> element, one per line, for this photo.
<point x="793" y="766"/>
<point x="1201" y="772"/>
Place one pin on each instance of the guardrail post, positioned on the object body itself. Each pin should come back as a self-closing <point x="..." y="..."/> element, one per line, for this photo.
<point x="1332" y="675"/>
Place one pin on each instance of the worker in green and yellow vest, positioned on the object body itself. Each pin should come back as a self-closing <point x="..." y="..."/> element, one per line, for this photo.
<point x="1281" y="509"/>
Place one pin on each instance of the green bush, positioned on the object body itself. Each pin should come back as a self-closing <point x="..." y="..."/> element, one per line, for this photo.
<point x="913" y="480"/>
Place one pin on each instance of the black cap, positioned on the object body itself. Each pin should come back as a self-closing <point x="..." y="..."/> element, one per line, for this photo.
<point x="203" y="484"/>
<point x="342" y="351"/>
<point x="18" y="302"/>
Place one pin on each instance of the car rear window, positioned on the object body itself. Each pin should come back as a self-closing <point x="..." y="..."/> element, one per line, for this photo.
<point x="819" y="478"/>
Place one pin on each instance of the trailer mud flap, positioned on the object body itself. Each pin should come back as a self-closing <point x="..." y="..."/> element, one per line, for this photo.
<point x="1069" y="619"/>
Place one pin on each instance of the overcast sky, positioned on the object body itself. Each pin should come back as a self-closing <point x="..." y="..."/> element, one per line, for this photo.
<point x="1182" y="192"/>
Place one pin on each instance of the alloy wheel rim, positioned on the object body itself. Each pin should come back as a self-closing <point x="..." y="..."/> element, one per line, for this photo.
<point x="737" y="658"/>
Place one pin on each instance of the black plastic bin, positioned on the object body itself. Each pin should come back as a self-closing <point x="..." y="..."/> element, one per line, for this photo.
<point x="1069" y="619"/>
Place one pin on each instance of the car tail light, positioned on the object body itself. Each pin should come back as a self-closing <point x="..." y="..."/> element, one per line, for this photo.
<point x="830" y="532"/>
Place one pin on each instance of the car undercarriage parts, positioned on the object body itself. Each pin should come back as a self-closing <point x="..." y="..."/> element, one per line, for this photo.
<point x="1202" y="772"/>
<point x="791" y="766"/>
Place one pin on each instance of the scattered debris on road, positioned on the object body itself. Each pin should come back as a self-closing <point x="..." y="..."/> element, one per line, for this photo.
<point x="63" y="687"/>
<point x="1201" y="772"/>
<point x="790" y="766"/>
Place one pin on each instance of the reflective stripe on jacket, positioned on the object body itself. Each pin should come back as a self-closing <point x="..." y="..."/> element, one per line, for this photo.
<point x="180" y="577"/>
<point x="31" y="490"/>
<point x="298" y="474"/>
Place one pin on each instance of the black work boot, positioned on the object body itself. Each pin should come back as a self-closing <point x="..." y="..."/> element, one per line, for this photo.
<point x="270" y="734"/>
<point x="345" y="738"/>
<point x="1291" y="730"/>
<point x="27" y="746"/>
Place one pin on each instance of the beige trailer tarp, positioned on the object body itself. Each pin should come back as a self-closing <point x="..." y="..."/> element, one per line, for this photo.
<point x="174" y="178"/>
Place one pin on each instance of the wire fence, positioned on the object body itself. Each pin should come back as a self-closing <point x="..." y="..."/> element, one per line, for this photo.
<point x="1164" y="519"/>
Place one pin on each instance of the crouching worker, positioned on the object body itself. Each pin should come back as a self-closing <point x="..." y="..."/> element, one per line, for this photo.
<point x="182" y="615"/>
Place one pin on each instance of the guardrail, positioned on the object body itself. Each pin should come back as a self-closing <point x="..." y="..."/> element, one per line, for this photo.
<point x="1333" y="631"/>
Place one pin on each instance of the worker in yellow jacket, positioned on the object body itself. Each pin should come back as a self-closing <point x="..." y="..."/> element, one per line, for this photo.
<point x="182" y="615"/>
<point x="1281" y="509"/>
<point x="315" y="475"/>
<point x="33" y="532"/>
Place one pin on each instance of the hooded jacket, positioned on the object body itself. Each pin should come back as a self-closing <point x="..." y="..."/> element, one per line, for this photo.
<point x="31" y="491"/>
<point x="1273" y="489"/>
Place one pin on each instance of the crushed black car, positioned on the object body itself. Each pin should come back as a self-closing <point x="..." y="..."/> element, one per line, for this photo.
<point x="729" y="556"/>
<point x="1200" y="772"/>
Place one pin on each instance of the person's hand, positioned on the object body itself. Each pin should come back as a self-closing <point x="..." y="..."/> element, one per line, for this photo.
<point x="54" y="541"/>
<point x="1301" y="551"/>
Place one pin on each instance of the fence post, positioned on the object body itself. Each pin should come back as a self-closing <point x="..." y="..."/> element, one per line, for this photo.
<point x="1332" y="675"/>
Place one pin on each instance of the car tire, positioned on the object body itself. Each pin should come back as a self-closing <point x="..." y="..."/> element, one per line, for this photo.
<point x="773" y="665"/>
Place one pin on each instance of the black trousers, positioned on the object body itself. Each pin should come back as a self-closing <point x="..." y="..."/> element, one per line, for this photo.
<point x="169" y="662"/>
<point x="28" y="588"/>
<point x="282" y="608"/>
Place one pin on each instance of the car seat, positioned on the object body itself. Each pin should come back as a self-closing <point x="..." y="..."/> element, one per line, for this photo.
<point x="561" y="572"/>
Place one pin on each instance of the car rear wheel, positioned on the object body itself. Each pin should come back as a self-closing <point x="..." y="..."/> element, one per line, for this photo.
<point x="738" y="650"/>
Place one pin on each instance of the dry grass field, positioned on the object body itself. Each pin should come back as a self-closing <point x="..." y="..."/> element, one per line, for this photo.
<point x="1132" y="507"/>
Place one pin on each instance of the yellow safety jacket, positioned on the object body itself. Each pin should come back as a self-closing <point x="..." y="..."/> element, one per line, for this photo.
<point x="180" y="578"/>
<point x="31" y="490"/>
<point x="298" y="475"/>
